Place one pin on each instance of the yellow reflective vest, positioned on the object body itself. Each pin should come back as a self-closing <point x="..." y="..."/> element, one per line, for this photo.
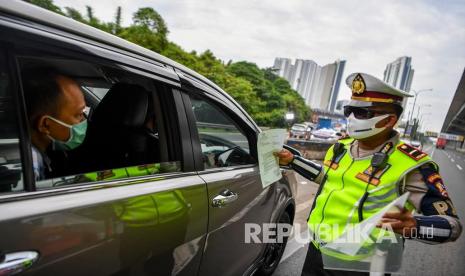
<point x="342" y="201"/>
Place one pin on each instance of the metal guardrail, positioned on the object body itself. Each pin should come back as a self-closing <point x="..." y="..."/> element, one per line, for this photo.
<point x="311" y="149"/>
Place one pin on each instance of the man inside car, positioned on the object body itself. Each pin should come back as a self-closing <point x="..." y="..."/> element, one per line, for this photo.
<point x="55" y="106"/>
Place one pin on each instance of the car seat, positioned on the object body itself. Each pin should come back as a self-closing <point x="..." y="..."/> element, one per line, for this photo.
<point x="116" y="135"/>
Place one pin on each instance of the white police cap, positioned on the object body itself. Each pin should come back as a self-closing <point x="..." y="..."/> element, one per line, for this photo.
<point x="367" y="89"/>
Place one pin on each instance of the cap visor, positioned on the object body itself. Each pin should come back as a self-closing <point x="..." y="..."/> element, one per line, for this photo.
<point x="360" y="103"/>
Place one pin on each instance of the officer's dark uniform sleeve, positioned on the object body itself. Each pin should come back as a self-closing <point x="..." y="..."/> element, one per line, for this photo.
<point x="438" y="221"/>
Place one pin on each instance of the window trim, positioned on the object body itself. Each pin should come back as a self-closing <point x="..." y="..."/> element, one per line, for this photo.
<point x="23" y="130"/>
<point x="250" y="133"/>
<point x="187" y="152"/>
<point x="193" y="132"/>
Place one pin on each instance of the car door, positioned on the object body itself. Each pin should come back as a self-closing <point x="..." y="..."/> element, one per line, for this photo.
<point x="142" y="219"/>
<point x="225" y="145"/>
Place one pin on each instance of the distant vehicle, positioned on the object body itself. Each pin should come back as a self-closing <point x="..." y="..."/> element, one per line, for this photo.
<point x="324" y="123"/>
<point x="310" y="124"/>
<point x="324" y="134"/>
<point x="417" y="144"/>
<point x="441" y="143"/>
<point x="301" y="131"/>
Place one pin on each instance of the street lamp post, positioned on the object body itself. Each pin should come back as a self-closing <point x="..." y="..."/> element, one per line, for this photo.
<point x="409" y="117"/>
<point x="423" y="115"/>
<point x="415" y="99"/>
<point x="416" y="120"/>
<point x="423" y="105"/>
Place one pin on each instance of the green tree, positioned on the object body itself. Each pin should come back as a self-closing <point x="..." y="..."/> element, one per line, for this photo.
<point x="264" y="95"/>
<point x="145" y="37"/>
<point x="149" y="30"/>
<point x="117" y="25"/>
<point x="176" y="53"/>
<point x="75" y="14"/>
<point x="46" y="4"/>
<point x="151" y="19"/>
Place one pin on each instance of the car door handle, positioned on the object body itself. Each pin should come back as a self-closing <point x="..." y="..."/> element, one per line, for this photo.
<point x="16" y="262"/>
<point x="224" y="198"/>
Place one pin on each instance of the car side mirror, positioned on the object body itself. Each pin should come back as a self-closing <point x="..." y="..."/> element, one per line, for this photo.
<point x="292" y="150"/>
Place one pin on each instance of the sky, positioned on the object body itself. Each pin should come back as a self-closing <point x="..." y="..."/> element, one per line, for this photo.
<point x="368" y="34"/>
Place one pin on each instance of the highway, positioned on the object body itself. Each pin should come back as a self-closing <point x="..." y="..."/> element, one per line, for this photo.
<point x="419" y="258"/>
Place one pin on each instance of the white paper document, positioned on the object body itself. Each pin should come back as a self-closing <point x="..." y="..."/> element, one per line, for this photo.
<point x="270" y="141"/>
<point x="341" y="244"/>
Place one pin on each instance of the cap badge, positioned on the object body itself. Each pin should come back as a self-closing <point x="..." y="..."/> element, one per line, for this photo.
<point x="358" y="85"/>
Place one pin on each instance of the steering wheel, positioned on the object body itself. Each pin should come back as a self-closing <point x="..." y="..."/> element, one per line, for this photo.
<point x="218" y="154"/>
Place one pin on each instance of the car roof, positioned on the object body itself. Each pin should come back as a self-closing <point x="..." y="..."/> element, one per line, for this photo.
<point x="40" y="15"/>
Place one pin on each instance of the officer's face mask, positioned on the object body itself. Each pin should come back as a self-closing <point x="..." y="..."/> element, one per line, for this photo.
<point x="364" y="128"/>
<point x="77" y="133"/>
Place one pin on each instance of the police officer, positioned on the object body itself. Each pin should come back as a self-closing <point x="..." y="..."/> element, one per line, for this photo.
<point x="370" y="169"/>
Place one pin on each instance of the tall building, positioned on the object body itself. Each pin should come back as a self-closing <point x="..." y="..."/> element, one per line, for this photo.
<point x="283" y="67"/>
<point x="318" y="85"/>
<point x="399" y="74"/>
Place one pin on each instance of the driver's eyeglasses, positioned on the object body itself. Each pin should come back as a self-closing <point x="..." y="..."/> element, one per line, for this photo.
<point x="361" y="112"/>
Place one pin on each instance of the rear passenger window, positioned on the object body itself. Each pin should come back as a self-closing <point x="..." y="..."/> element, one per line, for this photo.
<point x="90" y="122"/>
<point x="223" y="142"/>
<point x="10" y="160"/>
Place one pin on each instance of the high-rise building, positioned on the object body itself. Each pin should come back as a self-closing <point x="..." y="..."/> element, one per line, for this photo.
<point x="283" y="67"/>
<point x="399" y="74"/>
<point x="318" y="85"/>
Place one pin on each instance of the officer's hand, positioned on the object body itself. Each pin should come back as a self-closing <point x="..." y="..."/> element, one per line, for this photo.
<point x="285" y="157"/>
<point x="402" y="222"/>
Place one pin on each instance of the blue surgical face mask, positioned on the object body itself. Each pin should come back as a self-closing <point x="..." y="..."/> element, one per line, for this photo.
<point x="76" y="135"/>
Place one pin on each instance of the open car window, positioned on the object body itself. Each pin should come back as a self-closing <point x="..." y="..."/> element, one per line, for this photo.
<point x="125" y="134"/>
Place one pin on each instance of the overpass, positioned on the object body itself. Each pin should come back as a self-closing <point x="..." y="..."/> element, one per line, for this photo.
<point x="455" y="118"/>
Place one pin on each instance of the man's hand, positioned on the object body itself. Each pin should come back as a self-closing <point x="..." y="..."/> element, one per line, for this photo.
<point x="402" y="222"/>
<point x="285" y="157"/>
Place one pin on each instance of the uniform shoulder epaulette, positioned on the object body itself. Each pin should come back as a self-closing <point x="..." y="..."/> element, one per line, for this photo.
<point x="411" y="151"/>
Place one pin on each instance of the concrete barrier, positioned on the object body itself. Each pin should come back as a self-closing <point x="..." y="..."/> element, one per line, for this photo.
<point x="313" y="149"/>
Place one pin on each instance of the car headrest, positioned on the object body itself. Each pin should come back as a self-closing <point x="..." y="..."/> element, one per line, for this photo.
<point x="124" y="105"/>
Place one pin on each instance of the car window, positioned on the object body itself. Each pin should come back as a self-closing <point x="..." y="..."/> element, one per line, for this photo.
<point x="99" y="92"/>
<point x="123" y="134"/>
<point x="10" y="160"/>
<point x="223" y="143"/>
<point x="298" y="127"/>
